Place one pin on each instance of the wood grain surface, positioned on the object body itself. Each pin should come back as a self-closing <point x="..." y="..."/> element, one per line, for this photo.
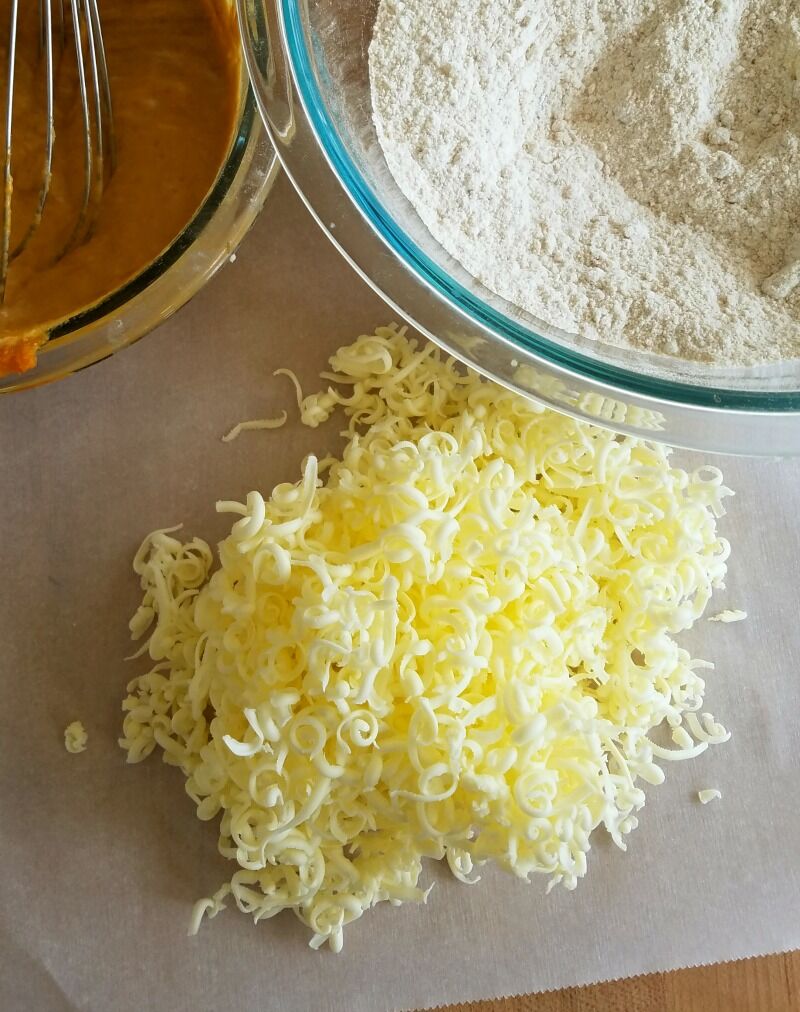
<point x="766" y="984"/>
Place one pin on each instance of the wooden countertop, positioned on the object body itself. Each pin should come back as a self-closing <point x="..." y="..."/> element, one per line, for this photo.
<point x="765" y="984"/>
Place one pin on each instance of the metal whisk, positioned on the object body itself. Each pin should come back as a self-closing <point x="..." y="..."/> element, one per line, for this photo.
<point x="67" y="30"/>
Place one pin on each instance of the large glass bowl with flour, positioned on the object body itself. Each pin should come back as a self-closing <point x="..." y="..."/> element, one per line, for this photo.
<point x="308" y="61"/>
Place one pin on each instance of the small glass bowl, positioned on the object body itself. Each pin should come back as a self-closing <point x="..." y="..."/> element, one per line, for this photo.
<point x="308" y="62"/>
<point x="217" y="228"/>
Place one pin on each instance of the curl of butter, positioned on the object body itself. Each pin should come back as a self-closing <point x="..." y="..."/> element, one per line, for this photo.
<point x="728" y="615"/>
<point x="75" y="737"/>
<point x="255" y="424"/>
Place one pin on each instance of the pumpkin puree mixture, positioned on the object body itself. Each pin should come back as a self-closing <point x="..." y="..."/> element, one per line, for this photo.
<point x="174" y="69"/>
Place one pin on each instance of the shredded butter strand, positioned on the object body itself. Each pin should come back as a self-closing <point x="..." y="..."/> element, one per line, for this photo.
<point x="255" y="424"/>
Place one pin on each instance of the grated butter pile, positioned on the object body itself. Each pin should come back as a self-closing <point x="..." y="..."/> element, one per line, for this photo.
<point x="453" y="642"/>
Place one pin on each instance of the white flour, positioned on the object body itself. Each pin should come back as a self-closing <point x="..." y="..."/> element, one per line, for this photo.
<point x="628" y="170"/>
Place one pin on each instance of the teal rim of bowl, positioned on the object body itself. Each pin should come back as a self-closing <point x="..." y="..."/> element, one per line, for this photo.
<point x="574" y="362"/>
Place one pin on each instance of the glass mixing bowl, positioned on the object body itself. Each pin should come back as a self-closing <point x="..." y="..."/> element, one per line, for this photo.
<point x="308" y="62"/>
<point x="148" y="299"/>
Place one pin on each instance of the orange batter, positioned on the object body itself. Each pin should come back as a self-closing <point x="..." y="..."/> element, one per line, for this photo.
<point x="175" y="70"/>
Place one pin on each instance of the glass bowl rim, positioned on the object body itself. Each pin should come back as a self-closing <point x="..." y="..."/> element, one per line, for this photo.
<point x="570" y="360"/>
<point x="247" y="120"/>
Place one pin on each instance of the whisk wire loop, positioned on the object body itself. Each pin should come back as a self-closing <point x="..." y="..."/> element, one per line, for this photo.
<point x="85" y="40"/>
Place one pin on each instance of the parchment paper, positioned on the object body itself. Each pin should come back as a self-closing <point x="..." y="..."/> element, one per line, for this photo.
<point x="101" y="861"/>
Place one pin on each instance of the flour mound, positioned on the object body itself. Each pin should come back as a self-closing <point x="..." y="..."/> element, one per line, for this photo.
<point x="627" y="170"/>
